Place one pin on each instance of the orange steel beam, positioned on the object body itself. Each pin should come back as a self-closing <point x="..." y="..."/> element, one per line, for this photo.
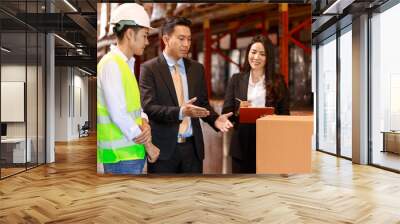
<point x="284" y="49"/>
<point x="233" y="41"/>
<point x="249" y="19"/>
<point x="301" y="45"/>
<point x="207" y="54"/>
<point x="285" y="37"/>
<point x="227" y="58"/>
<point x="304" y="24"/>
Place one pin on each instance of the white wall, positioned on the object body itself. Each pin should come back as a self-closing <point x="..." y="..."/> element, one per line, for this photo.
<point x="33" y="126"/>
<point x="80" y="102"/>
<point x="16" y="73"/>
<point x="61" y="103"/>
<point x="71" y="94"/>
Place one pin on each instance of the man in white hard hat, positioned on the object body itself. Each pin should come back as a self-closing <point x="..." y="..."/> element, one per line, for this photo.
<point x="123" y="132"/>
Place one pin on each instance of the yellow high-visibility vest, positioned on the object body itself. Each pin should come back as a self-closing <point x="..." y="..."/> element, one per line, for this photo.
<point x="112" y="145"/>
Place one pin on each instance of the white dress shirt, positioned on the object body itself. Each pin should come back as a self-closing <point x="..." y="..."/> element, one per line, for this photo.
<point x="256" y="92"/>
<point x="171" y="63"/>
<point x="114" y="95"/>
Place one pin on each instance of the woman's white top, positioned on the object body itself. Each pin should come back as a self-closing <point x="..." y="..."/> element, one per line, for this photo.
<point x="256" y="92"/>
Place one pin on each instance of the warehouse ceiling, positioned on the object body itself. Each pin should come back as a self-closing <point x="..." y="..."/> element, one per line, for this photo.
<point x="73" y="22"/>
<point x="222" y="12"/>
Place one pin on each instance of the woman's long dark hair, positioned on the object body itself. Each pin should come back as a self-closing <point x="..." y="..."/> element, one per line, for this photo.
<point x="272" y="81"/>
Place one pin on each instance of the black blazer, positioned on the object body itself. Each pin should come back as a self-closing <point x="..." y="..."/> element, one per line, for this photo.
<point x="237" y="88"/>
<point x="160" y="103"/>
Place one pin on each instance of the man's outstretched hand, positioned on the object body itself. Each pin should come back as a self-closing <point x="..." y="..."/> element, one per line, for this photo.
<point x="190" y="110"/>
<point x="223" y="123"/>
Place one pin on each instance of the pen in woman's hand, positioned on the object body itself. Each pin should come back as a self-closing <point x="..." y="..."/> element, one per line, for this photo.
<point x="244" y="103"/>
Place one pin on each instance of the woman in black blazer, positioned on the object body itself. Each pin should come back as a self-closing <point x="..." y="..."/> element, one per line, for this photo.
<point x="256" y="86"/>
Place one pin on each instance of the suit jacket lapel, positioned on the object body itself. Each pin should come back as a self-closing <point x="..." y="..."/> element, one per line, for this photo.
<point x="166" y="76"/>
<point x="189" y="77"/>
<point x="244" y="85"/>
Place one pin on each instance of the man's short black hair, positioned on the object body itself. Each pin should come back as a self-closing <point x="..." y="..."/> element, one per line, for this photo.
<point x="120" y="32"/>
<point x="170" y="24"/>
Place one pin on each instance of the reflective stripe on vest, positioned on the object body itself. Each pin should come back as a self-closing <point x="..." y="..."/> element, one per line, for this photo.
<point x="112" y="145"/>
<point x="109" y="145"/>
<point x="127" y="153"/>
<point x="106" y="119"/>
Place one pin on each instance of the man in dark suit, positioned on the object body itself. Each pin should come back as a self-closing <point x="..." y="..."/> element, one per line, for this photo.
<point x="174" y="96"/>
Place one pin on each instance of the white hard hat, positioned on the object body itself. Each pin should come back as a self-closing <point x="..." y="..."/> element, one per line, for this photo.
<point x="130" y="14"/>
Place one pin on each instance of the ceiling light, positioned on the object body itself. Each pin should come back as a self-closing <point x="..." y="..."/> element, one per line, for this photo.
<point x="64" y="40"/>
<point x="70" y="5"/>
<point x="337" y="7"/>
<point x="5" y="50"/>
<point x="86" y="72"/>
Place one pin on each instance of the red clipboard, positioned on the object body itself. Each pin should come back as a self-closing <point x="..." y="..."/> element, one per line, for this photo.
<point x="249" y="115"/>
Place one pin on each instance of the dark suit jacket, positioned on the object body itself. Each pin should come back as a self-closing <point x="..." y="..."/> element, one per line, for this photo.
<point x="237" y="88"/>
<point x="160" y="103"/>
